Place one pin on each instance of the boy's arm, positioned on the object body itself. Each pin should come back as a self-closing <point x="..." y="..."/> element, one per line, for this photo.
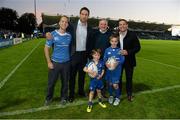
<point x="85" y="69"/>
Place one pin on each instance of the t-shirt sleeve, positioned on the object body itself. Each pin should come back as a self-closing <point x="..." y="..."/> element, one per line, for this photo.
<point x="50" y="42"/>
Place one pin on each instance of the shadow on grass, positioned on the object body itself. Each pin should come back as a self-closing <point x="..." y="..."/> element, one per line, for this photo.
<point x="12" y="103"/>
<point x="139" y="87"/>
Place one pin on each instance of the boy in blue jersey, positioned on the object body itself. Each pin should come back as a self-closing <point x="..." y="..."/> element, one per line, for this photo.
<point x="59" y="62"/>
<point x="96" y="83"/>
<point x="112" y="76"/>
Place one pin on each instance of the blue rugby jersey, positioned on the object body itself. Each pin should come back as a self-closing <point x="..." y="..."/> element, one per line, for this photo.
<point x="61" y="46"/>
<point x="114" y="75"/>
<point x="113" y="52"/>
<point x="100" y="66"/>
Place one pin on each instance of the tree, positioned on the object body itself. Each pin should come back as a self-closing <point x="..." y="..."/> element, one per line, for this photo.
<point x="8" y="18"/>
<point x="27" y="23"/>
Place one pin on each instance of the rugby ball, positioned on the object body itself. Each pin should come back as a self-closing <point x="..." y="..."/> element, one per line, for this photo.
<point x="112" y="62"/>
<point x="92" y="67"/>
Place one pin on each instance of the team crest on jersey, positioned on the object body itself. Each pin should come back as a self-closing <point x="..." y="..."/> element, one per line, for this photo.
<point x="109" y="53"/>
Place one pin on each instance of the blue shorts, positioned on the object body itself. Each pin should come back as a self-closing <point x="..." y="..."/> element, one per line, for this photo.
<point x="96" y="84"/>
<point x="113" y="76"/>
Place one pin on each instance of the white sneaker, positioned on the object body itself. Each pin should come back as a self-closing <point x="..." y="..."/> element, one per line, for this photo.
<point x="116" y="101"/>
<point x="111" y="99"/>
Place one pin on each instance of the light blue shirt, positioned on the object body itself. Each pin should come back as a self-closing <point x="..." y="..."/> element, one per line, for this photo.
<point x="61" y="46"/>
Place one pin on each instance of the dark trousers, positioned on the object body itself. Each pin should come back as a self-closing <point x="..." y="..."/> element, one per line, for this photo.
<point x="129" y="74"/>
<point x="78" y="62"/>
<point x="62" y="69"/>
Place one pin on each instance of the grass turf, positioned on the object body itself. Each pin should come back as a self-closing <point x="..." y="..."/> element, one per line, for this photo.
<point x="26" y="88"/>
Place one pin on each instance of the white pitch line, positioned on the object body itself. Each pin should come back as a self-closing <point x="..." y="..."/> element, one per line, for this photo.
<point x="167" y="65"/>
<point x="158" y="90"/>
<point x="43" y="108"/>
<point x="17" y="66"/>
<point x="52" y="107"/>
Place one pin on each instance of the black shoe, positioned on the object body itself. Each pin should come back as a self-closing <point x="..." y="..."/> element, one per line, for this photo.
<point x="71" y="99"/>
<point x="130" y="98"/>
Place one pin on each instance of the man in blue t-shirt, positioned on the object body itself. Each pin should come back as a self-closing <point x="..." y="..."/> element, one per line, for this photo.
<point x="59" y="63"/>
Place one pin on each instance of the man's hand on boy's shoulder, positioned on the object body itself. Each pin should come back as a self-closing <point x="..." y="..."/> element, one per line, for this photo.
<point x="48" y="36"/>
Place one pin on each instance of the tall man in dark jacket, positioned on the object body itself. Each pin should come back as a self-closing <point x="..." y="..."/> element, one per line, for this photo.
<point x="130" y="45"/>
<point x="80" y="49"/>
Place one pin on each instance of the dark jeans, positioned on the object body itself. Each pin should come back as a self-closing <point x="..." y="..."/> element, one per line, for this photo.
<point x="129" y="74"/>
<point x="78" y="62"/>
<point x="62" y="69"/>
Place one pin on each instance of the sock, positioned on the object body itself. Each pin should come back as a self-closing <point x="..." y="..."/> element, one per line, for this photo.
<point x="117" y="91"/>
<point x="110" y="89"/>
<point x="90" y="103"/>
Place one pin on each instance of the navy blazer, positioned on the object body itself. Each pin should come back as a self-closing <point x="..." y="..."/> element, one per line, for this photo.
<point x="89" y="45"/>
<point x="132" y="45"/>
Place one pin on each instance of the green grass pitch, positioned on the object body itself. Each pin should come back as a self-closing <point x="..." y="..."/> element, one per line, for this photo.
<point x="156" y="85"/>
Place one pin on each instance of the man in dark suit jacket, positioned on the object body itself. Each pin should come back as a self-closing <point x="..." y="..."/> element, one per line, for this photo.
<point x="80" y="49"/>
<point x="130" y="45"/>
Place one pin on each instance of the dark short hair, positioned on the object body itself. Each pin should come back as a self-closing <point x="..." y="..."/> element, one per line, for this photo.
<point x="123" y="20"/>
<point x="84" y="8"/>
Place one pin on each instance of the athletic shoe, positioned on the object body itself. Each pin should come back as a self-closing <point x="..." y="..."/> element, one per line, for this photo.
<point x="102" y="105"/>
<point x="111" y="99"/>
<point x="89" y="108"/>
<point x="63" y="102"/>
<point x="116" y="101"/>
